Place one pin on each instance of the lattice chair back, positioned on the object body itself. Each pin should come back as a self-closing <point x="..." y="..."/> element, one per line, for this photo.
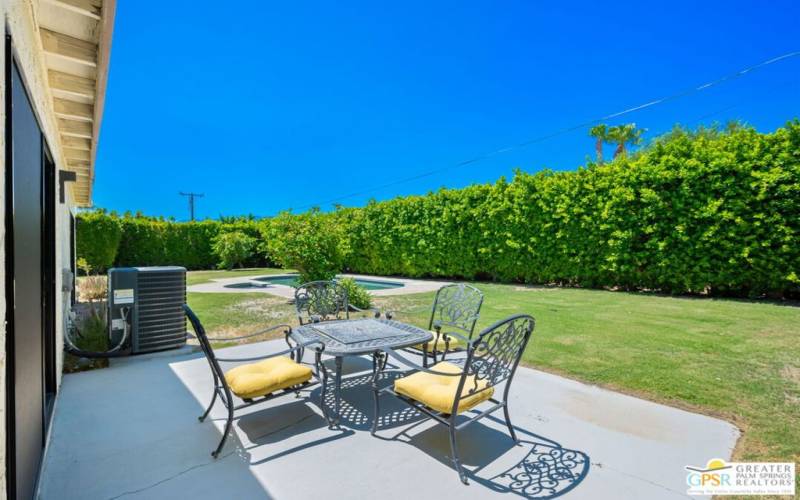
<point x="205" y="345"/>
<point x="456" y="306"/>
<point x="493" y="356"/>
<point x="321" y="301"/>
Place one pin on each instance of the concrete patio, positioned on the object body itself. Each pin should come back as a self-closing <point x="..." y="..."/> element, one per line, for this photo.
<point x="131" y="431"/>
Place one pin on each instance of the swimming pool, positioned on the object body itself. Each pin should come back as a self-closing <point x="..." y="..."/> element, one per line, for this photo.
<point x="292" y="280"/>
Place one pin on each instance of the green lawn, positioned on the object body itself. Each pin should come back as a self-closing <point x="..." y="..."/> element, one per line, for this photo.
<point x="229" y="314"/>
<point x="737" y="360"/>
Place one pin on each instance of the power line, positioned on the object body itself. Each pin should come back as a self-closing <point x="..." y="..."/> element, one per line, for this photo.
<point x="671" y="97"/>
<point x="192" y="196"/>
<point x="696" y="121"/>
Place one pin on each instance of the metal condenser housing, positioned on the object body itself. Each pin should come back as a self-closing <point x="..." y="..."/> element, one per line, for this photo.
<point x="148" y="302"/>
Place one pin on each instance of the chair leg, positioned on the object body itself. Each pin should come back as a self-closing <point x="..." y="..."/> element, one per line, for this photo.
<point x="213" y="400"/>
<point x="225" y="433"/>
<point x="324" y="391"/>
<point x="376" y="411"/>
<point x="508" y="423"/>
<point x="446" y="347"/>
<point x="461" y="474"/>
<point x="383" y="364"/>
<point x="380" y="362"/>
<point x="337" y="391"/>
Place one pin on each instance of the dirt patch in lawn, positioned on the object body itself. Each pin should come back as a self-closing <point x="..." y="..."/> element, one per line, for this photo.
<point x="266" y="308"/>
<point x="791" y="374"/>
<point x="535" y="288"/>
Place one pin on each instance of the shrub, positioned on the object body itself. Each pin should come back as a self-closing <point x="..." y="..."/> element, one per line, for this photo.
<point x="97" y="239"/>
<point x="357" y="295"/>
<point x="93" y="337"/>
<point x="91" y="287"/>
<point x="311" y="243"/>
<point x="233" y="248"/>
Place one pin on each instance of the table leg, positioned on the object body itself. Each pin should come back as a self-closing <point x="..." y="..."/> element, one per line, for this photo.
<point x="337" y="391"/>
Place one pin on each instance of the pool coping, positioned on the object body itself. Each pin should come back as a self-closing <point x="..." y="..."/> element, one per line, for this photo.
<point x="227" y="285"/>
<point x="388" y="281"/>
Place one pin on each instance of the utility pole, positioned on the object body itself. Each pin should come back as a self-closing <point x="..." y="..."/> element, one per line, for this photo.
<point x="191" y="196"/>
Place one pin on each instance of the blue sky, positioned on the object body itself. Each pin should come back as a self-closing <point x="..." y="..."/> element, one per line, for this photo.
<point x="277" y="105"/>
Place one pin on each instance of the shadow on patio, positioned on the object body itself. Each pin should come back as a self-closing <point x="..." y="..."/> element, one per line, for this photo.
<point x="536" y="468"/>
<point x="131" y="431"/>
<point x="546" y="471"/>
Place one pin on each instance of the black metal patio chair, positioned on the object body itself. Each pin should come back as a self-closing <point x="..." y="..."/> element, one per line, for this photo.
<point x="318" y="301"/>
<point x="446" y="390"/>
<point x="455" y="311"/>
<point x="262" y="379"/>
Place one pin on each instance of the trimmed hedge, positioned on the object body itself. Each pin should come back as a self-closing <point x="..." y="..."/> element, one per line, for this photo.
<point x="146" y="241"/>
<point x="97" y="237"/>
<point x="707" y="211"/>
<point x="704" y="211"/>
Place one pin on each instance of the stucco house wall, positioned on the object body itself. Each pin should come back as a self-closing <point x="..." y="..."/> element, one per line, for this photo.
<point x="20" y="23"/>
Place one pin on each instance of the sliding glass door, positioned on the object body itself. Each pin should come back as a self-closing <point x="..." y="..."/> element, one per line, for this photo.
<point x="30" y="286"/>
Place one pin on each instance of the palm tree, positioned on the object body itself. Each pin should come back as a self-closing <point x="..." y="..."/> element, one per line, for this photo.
<point x="624" y="135"/>
<point x="600" y="133"/>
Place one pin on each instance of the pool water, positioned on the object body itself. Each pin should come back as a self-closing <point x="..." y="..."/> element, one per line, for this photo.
<point x="292" y="280"/>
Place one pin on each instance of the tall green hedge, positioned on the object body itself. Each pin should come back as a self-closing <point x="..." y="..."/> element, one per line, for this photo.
<point x="97" y="239"/>
<point x="704" y="211"/>
<point x="147" y="241"/>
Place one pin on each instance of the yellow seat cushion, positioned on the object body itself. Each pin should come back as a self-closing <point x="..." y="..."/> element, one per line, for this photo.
<point x="438" y="344"/>
<point x="264" y="377"/>
<point x="439" y="391"/>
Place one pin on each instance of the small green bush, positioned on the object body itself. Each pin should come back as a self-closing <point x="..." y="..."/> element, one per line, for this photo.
<point x="233" y="248"/>
<point x="94" y="338"/>
<point x="310" y="242"/>
<point x="357" y="295"/>
<point x="97" y="239"/>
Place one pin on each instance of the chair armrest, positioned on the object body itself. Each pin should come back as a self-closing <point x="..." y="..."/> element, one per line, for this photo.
<point x="278" y="354"/>
<point x="393" y="354"/>
<point x="437" y="325"/>
<point x="375" y="310"/>
<point x="254" y="334"/>
<point x="457" y="336"/>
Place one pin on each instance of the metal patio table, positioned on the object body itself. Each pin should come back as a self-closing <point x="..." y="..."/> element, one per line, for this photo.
<point x="357" y="337"/>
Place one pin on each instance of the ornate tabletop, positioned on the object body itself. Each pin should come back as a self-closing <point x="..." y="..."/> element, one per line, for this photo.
<point x="353" y="337"/>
